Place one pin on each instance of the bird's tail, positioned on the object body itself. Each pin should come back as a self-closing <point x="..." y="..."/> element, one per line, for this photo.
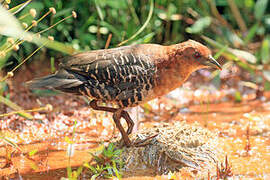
<point x="62" y="80"/>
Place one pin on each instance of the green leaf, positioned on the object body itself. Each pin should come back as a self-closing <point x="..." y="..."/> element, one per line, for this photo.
<point x="110" y="147"/>
<point x="68" y="140"/>
<point x="33" y="165"/>
<point x="116" y="170"/>
<point x="235" y="53"/>
<point x="33" y="152"/>
<point x="107" y="153"/>
<point x="55" y="45"/>
<point x="86" y="165"/>
<point x="246" y="67"/>
<point x="69" y="172"/>
<point x="251" y="33"/>
<point x="79" y="171"/>
<point x="93" y="169"/>
<point x="100" y="167"/>
<point x="109" y="168"/>
<point x="146" y="39"/>
<point x="115" y="31"/>
<point x="260" y="8"/>
<point x="53" y="69"/>
<point x="100" y="14"/>
<point x="232" y="37"/>
<point x="118" y="152"/>
<point x="199" y="25"/>
<point x="97" y="159"/>
<point x="219" y="53"/>
<point x="119" y="4"/>
<point x="19" y="7"/>
<point x="265" y="50"/>
<point x="238" y="96"/>
<point x="267" y="86"/>
<point x="171" y="10"/>
<point x="241" y="54"/>
<point x="249" y="3"/>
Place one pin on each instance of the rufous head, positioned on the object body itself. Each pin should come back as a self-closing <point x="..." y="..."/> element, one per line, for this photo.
<point x="198" y="54"/>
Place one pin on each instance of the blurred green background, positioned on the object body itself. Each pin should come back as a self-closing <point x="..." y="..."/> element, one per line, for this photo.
<point x="239" y="30"/>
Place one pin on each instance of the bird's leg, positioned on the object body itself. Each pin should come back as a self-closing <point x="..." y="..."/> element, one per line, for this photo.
<point x="118" y="113"/>
<point x="116" y="117"/>
<point x="129" y="121"/>
<point x="93" y="104"/>
<point x="124" y="114"/>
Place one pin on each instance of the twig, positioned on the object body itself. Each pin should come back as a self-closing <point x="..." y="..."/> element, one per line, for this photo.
<point x="108" y="41"/>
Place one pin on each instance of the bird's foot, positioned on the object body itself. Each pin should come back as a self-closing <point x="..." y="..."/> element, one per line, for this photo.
<point x="138" y="143"/>
<point x="144" y="142"/>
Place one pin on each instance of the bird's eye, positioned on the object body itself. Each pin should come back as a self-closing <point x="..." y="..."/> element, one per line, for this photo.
<point x="197" y="54"/>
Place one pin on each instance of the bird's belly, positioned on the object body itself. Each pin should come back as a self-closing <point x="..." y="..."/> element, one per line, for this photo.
<point x="136" y="100"/>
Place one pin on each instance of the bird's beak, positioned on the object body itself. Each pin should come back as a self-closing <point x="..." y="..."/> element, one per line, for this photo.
<point x="214" y="63"/>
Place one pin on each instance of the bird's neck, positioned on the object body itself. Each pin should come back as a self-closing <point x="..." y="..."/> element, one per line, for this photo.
<point x="174" y="70"/>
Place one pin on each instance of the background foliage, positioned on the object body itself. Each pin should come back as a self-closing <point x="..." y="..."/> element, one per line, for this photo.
<point x="237" y="23"/>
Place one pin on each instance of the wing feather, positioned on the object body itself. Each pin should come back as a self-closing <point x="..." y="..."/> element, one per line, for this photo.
<point x="120" y="71"/>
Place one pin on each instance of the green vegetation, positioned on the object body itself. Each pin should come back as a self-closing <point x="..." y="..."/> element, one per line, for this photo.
<point x="107" y="163"/>
<point x="242" y="25"/>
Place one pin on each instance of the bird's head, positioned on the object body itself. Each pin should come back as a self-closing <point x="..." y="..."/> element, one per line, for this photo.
<point x="197" y="55"/>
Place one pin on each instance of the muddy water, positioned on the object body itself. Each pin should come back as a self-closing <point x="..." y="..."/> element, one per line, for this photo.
<point x="243" y="130"/>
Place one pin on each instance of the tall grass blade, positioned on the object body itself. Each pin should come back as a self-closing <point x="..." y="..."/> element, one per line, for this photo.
<point x="144" y="25"/>
<point x="265" y="50"/>
<point x="236" y="53"/>
<point x="19" y="7"/>
<point x="15" y="107"/>
<point x="260" y="8"/>
<point x="251" y="33"/>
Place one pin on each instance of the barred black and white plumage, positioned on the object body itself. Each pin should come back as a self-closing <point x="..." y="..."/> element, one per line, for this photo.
<point x="119" y="75"/>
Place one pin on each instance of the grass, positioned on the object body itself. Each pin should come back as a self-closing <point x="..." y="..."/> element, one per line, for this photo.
<point x="106" y="164"/>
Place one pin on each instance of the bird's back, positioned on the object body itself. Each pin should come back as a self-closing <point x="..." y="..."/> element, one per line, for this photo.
<point x="125" y="75"/>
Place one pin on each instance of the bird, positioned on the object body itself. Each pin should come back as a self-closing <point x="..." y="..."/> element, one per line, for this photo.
<point x="127" y="76"/>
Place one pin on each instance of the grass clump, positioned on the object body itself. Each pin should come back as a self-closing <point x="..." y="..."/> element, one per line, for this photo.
<point x="107" y="163"/>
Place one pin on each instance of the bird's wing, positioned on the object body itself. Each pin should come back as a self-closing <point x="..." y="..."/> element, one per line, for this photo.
<point x="115" y="65"/>
<point x="113" y="74"/>
<point x="87" y="60"/>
